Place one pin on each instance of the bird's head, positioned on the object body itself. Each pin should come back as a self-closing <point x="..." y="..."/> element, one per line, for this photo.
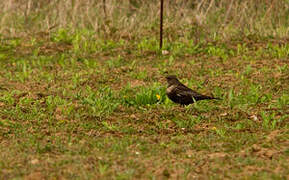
<point x="172" y="79"/>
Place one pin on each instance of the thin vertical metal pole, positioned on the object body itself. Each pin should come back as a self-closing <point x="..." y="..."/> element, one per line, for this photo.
<point x="161" y="24"/>
<point x="104" y="8"/>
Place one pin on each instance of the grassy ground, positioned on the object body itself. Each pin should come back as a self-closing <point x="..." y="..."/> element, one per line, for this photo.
<point x="84" y="98"/>
<point x="78" y="108"/>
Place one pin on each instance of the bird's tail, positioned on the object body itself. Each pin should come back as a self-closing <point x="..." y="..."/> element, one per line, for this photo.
<point x="209" y="97"/>
<point x="216" y="98"/>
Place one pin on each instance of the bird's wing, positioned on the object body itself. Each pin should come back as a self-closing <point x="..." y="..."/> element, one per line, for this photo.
<point x="183" y="91"/>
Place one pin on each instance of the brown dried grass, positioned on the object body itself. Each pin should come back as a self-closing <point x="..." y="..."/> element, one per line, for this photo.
<point x="209" y="19"/>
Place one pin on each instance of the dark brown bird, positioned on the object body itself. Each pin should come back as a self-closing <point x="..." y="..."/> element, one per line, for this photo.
<point x="181" y="94"/>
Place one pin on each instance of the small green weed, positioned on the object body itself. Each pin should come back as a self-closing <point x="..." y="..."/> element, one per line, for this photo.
<point x="98" y="103"/>
<point x="277" y="51"/>
<point x="269" y="120"/>
<point x="147" y="96"/>
<point x="115" y="62"/>
<point x="187" y="123"/>
<point x="63" y="36"/>
<point x="283" y="101"/>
